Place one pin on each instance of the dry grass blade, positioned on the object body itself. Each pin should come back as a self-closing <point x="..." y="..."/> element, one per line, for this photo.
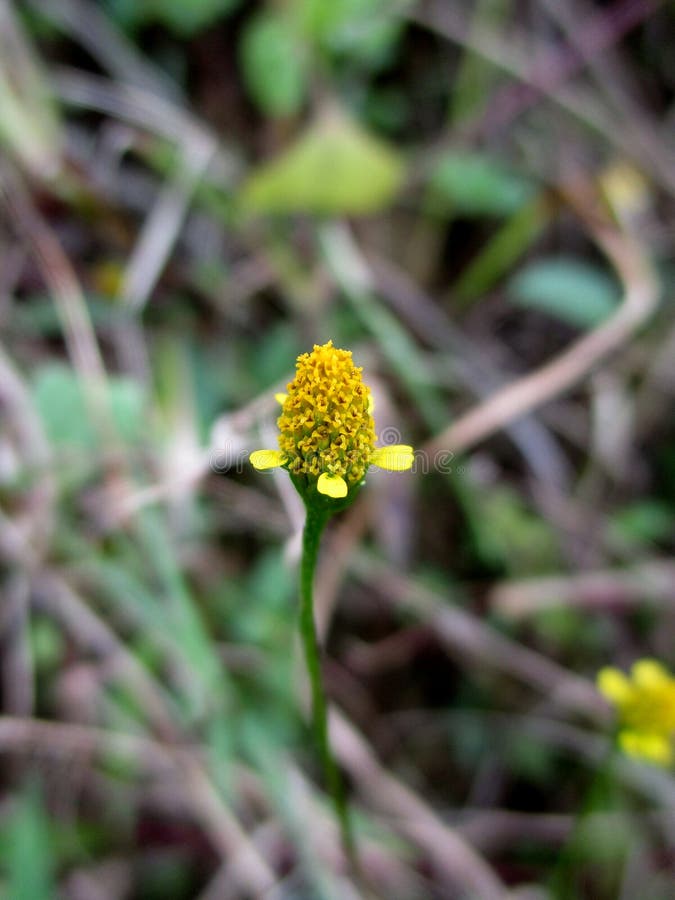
<point x="164" y="222"/>
<point x="33" y="449"/>
<point x="16" y="670"/>
<point x="29" y="124"/>
<point x="69" y="300"/>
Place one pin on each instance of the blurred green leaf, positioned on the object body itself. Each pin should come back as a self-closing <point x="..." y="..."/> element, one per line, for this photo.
<point x="364" y="30"/>
<point x="518" y="539"/>
<point x="472" y="86"/>
<point x="166" y="872"/>
<point x="184" y="17"/>
<point x="510" y="242"/>
<point x="273" y="64"/>
<point x="529" y="758"/>
<point x="387" y="108"/>
<point x="570" y="629"/>
<point x="60" y="398"/>
<point x="40" y="317"/>
<point x="268" y="753"/>
<point x="30" y="858"/>
<point x="334" y="168"/>
<point x="183" y="618"/>
<point x="575" y="292"/>
<point x="269" y="617"/>
<point x="476" y="185"/>
<point x="187" y="18"/>
<point x="47" y="645"/>
<point x="271" y="353"/>
<point x="30" y="128"/>
<point x="642" y="523"/>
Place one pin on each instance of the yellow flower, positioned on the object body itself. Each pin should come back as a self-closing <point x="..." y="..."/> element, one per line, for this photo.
<point x="326" y="427"/>
<point x="646" y="707"/>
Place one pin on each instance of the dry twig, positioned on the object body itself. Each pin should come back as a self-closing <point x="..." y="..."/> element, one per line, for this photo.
<point x="463" y="872"/>
<point x="515" y="400"/>
<point x="650" y="582"/>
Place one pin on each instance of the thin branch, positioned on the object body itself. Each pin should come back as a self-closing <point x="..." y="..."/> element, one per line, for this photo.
<point x="649" y="583"/>
<point x="463" y="871"/>
<point x="467" y="637"/>
<point x="522" y="396"/>
<point x="88" y="24"/>
<point x="497" y="830"/>
<point x="535" y="442"/>
<point x="16" y="663"/>
<point x="143" y="109"/>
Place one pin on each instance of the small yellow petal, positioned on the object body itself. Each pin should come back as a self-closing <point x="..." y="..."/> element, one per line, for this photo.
<point x="648" y="673"/>
<point x="331" y="485"/>
<point x="267" y="459"/>
<point x="614" y="685"/>
<point x="280" y="398"/>
<point x="371" y="404"/>
<point x="395" y="457"/>
<point x="655" y="748"/>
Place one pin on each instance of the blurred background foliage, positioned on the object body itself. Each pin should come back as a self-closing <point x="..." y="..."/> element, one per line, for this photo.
<point x="194" y="193"/>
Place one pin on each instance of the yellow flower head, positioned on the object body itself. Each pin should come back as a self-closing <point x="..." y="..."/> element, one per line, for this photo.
<point x="646" y="707"/>
<point x="326" y="428"/>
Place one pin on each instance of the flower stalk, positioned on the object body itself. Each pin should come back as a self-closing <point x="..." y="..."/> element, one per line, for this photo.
<point x="315" y="523"/>
<point x="326" y="444"/>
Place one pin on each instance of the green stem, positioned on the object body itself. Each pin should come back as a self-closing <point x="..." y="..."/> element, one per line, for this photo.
<point x="314" y="525"/>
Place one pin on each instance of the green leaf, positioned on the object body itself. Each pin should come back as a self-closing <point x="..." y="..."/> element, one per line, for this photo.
<point x="335" y="168"/>
<point x="500" y="253"/>
<point x="322" y="18"/>
<point x="476" y="185"/>
<point x="183" y="618"/>
<point x="30" y="128"/>
<point x="514" y="536"/>
<point x="273" y="64"/>
<point x="575" y="292"/>
<point x="474" y="82"/>
<point x="642" y="523"/>
<point x="30" y="859"/>
<point x="365" y="31"/>
<point x="529" y="759"/>
<point x="184" y="17"/>
<point x="61" y="400"/>
<point x="47" y="645"/>
<point x="266" y="620"/>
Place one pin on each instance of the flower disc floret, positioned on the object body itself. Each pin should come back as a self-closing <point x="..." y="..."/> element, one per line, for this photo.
<point x="326" y="427"/>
